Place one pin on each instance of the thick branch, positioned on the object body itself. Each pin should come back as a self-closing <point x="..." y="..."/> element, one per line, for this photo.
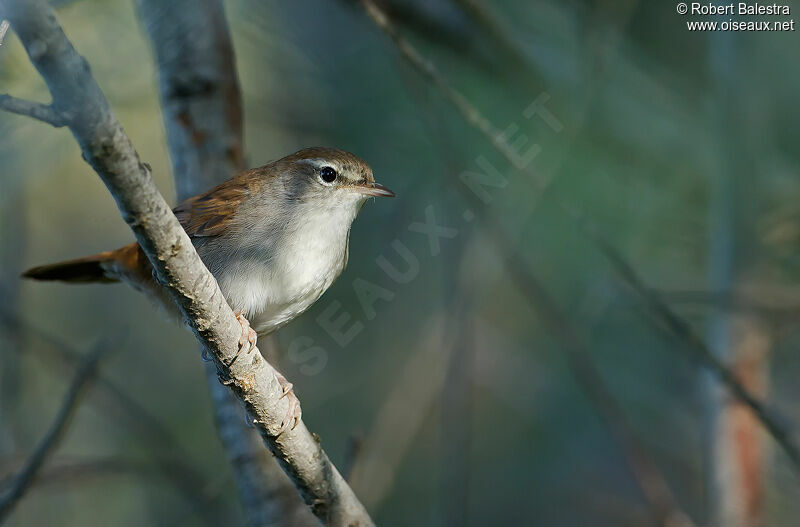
<point x="202" y="111"/>
<point x="200" y="96"/>
<point x="175" y="262"/>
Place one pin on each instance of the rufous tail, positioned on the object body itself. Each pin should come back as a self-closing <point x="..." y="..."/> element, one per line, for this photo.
<point x="95" y="268"/>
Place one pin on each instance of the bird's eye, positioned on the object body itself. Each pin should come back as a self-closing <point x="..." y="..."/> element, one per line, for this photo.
<point x="327" y="174"/>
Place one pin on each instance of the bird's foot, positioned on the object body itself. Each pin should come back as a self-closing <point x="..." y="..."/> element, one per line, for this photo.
<point x="294" y="413"/>
<point x="247" y="342"/>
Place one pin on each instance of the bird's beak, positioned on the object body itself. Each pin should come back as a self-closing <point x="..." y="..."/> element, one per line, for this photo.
<point x="373" y="189"/>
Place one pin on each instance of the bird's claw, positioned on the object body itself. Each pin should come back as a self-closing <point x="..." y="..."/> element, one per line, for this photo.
<point x="294" y="413"/>
<point x="247" y="342"/>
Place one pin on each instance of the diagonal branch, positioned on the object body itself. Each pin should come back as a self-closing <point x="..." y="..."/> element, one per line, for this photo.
<point x="651" y="481"/>
<point x="169" y="457"/>
<point x="482" y="16"/>
<point x="35" y="110"/>
<point x="177" y="266"/>
<point x="24" y="479"/>
<point x="681" y="329"/>
<point x="202" y="111"/>
<point x="654" y="487"/>
<point x="676" y="325"/>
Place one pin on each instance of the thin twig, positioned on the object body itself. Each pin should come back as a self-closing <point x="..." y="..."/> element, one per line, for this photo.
<point x="653" y="484"/>
<point x="481" y="15"/>
<point x="425" y="67"/>
<point x="738" y="301"/>
<point x="681" y="329"/>
<point x="68" y="472"/>
<point x="473" y="117"/>
<point x="50" y="441"/>
<point x="35" y="110"/>
<point x="112" y="401"/>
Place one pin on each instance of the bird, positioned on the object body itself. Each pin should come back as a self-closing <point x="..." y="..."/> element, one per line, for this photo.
<point x="275" y="238"/>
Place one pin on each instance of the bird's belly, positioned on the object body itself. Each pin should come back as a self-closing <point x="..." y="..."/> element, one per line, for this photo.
<point x="273" y="316"/>
<point x="271" y="296"/>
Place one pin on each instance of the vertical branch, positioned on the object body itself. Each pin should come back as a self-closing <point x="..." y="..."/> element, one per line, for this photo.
<point x="199" y="87"/>
<point x="742" y="453"/>
<point x="734" y="482"/>
<point x="202" y="109"/>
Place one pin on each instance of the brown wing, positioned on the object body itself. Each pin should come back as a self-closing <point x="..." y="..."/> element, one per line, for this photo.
<point x="211" y="212"/>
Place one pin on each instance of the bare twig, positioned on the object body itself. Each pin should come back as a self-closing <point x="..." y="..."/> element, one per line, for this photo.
<point x="770" y="305"/>
<point x="35" y="110"/>
<point x="112" y="400"/>
<point x="681" y="329"/>
<point x="473" y="117"/>
<point x="425" y="67"/>
<point x="60" y="472"/>
<point x="650" y="479"/>
<point x="23" y="480"/>
<point x="177" y="266"/>
<point x="483" y="16"/>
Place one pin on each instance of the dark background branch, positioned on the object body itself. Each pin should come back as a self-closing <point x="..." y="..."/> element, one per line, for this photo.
<point x="22" y="481"/>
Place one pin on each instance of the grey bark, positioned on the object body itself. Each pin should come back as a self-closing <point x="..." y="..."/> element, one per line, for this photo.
<point x="202" y="110"/>
<point x="36" y="110"/>
<point x="200" y="96"/>
<point x="106" y="147"/>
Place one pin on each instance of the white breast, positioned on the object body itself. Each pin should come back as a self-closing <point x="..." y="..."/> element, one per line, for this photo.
<point x="274" y="277"/>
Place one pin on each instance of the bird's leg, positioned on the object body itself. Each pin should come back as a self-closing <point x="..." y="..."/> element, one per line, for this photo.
<point x="247" y="342"/>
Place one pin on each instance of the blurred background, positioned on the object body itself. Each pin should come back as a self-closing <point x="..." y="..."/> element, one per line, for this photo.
<point x="487" y="364"/>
